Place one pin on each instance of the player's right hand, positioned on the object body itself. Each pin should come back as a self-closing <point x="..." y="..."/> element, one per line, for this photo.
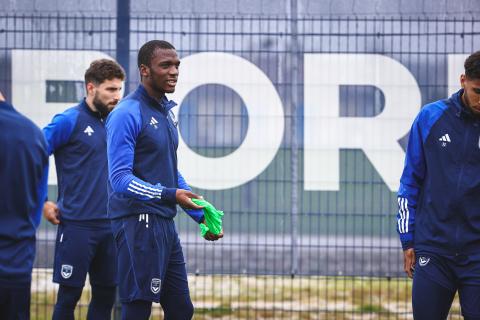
<point x="409" y="262"/>
<point x="2" y="98"/>
<point x="183" y="199"/>
<point x="51" y="212"/>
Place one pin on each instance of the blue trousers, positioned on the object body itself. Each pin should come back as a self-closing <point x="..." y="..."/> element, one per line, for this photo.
<point x="437" y="279"/>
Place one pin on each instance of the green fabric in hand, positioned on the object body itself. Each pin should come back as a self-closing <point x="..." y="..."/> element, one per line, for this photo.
<point x="213" y="218"/>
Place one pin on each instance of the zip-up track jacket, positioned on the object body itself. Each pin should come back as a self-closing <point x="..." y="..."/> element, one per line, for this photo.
<point x="77" y="138"/>
<point x="24" y="172"/>
<point x="142" y="142"/>
<point x="439" y="194"/>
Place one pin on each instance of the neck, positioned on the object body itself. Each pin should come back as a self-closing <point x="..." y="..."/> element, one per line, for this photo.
<point x="89" y="102"/>
<point x="157" y="95"/>
<point x="462" y="97"/>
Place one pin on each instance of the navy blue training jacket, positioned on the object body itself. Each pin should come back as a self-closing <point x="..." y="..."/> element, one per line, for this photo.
<point x="142" y="142"/>
<point x="439" y="194"/>
<point x="77" y="138"/>
<point x="23" y="172"/>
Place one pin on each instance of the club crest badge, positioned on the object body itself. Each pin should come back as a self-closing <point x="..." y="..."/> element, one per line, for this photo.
<point x="155" y="285"/>
<point x="67" y="271"/>
<point x="423" y="261"/>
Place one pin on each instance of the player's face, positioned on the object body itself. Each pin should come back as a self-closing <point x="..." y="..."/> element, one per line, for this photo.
<point x="106" y="95"/>
<point x="471" y="94"/>
<point x="162" y="75"/>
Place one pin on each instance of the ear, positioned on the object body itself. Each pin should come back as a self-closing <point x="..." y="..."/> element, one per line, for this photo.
<point x="144" y="71"/>
<point x="90" y="88"/>
<point x="463" y="78"/>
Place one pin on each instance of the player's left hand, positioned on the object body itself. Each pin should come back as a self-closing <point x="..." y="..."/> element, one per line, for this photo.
<point x="2" y="98"/>
<point x="409" y="262"/>
<point x="213" y="237"/>
<point x="183" y="198"/>
<point x="51" y="212"/>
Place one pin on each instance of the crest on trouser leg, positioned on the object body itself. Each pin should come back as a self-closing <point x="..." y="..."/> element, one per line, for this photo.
<point x="67" y="271"/>
<point x="155" y="285"/>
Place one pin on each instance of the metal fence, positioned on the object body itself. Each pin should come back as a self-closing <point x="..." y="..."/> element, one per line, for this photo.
<point x="310" y="230"/>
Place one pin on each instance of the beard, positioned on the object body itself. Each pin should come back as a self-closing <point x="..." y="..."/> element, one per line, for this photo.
<point x="466" y="100"/>
<point x="101" y="107"/>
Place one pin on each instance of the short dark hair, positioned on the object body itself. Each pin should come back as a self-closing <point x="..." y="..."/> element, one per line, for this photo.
<point x="472" y="66"/>
<point x="145" y="54"/>
<point x="103" y="69"/>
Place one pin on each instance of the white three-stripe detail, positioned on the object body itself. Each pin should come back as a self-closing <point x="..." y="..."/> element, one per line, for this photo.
<point x="399" y="221"/>
<point x="139" y="193"/>
<point x="146" y="191"/>
<point x="404" y="215"/>
<point x="143" y="190"/>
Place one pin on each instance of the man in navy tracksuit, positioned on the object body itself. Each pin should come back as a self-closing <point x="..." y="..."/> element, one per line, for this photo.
<point x="23" y="172"/>
<point x="439" y="202"/>
<point x="84" y="243"/>
<point x="144" y="188"/>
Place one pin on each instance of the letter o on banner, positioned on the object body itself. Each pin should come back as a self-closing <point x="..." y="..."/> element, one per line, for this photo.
<point x="265" y="123"/>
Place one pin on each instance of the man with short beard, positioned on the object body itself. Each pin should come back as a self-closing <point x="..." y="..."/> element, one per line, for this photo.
<point x="439" y="202"/>
<point x="84" y="243"/>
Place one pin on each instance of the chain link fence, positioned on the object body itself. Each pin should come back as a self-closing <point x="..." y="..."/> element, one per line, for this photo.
<point x="290" y="113"/>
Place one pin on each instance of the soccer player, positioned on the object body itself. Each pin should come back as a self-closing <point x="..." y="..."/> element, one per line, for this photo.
<point x="439" y="202"/>
<point x="23" y="172"/>
<point x="84" y="243"/>
<point x="144" y="188"/>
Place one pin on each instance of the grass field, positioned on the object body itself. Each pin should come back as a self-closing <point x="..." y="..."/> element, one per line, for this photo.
<point x="269" y="297"/>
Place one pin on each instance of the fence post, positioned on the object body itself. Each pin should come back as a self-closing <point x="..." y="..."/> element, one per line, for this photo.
<point x="123" y="38"/>
<point x="123" y="58"/>
<point x="292" y="105"/>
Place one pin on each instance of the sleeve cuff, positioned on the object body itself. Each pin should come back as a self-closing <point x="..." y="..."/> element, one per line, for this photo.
<point x="407" y="245"/>
<point x="196" y="215"/>
<point x="407" y="241"/>
<point x="169" y="195"/>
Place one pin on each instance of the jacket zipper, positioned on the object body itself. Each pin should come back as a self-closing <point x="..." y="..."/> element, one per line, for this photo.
<point x="460" y="175"/>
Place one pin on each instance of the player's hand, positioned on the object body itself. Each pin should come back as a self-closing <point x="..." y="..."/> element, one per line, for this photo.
<point x="183" y="199"/>
<point x="409" y="262"/>
<point x="212" y="237"/>
<point x="2" y="98"/>
<point x="51" y="212"/>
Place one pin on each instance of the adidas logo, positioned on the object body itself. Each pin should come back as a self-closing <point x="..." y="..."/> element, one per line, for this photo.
<point x="154" y="122"/>
<point x="444" y="139"/>
<point x="89" y="131"/>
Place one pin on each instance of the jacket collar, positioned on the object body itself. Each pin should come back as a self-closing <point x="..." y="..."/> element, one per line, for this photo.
<point x="83" y="104"/>
<point x="461" y="110"/>
<point x="163" y="105"/>
<point x="7" y="106"/>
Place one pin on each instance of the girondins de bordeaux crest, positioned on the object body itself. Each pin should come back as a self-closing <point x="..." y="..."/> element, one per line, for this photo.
<point x="155" y="285"/>
<point x="66" y="271"/>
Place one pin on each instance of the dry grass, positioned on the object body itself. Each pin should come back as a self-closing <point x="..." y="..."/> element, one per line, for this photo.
<point x="269" y="297"/>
